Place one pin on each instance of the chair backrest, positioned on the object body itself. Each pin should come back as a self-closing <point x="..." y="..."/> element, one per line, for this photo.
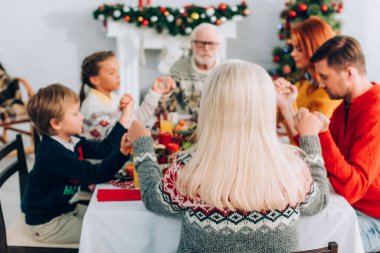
<point x="20" y="116"/>
<point x="332" y="248"/>
<point x="29" y="90"/>
<point x="19" y="165"/>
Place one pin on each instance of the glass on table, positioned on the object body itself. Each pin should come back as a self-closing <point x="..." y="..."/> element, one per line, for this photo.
<point x="166" y="126"/>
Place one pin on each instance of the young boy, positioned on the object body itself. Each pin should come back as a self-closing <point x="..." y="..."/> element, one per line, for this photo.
<point x="60" y="167"/>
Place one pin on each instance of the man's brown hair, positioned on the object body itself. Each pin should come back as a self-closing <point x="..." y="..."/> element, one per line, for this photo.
<point x="341" y="52"/>
<point x="50" y="103"/>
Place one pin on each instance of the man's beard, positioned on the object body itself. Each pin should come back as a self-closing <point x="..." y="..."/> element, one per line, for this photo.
<point x="333" y="96"/>
<point x="205" y="60"/>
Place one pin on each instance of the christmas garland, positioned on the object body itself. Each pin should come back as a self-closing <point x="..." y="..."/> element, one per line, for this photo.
<point x="175" y="20"/>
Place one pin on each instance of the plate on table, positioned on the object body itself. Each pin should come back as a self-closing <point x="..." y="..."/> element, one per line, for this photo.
<point x="185" y="128"/>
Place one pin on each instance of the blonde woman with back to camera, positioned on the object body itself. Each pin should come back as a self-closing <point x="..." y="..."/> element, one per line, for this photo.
<point x="238" y="189"/>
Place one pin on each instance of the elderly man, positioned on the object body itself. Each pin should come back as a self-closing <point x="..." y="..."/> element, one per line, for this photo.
<point x="350" y="143"/>
<point x="190" y="73"/>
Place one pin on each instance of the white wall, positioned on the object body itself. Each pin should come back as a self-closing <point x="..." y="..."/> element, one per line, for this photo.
<point x="361" y="20"/>
<point x="46" y="42"/>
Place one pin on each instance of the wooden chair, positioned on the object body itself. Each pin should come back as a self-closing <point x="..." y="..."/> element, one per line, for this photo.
<point x="331" y="248"/>
<point x="15" y="238"/>
<point x="13" y="124"/>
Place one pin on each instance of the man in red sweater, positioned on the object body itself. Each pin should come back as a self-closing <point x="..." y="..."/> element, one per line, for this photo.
<point x="351" y="141"/>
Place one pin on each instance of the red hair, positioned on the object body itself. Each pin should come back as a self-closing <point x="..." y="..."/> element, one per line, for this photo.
<point x="310" y="35"/>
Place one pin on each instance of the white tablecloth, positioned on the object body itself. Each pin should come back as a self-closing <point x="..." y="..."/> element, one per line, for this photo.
<point x="127" y="226"/>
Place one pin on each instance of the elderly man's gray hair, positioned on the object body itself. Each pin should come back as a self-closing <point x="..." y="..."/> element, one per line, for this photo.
<point x="202" y="26"/>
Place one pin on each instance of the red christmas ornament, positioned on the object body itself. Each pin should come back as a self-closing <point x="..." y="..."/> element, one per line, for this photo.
<point x="145" y="23"/>
<point x="286" y="69"/>
<point x="162" y="9"/>
<point x="127" y="18"/>
<point x="244" y="3"/>
<point x="302" y="7"/>
<point x="292" y="14"/>
<point x="276" y="58"/>
<point x="223" y="7"/>
<point x="341" y="5"/>
<point x="339" y="10"/>
<point x="281" y="36"/>
<point x="324" y="8"/>
<point x="101" y="7"/>
<point x="184" y="14"/>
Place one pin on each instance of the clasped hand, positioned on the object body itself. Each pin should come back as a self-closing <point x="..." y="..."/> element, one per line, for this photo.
<point x="310" y="123"/>
<point x="136" y="131"/>
<point x="286" y="93"/>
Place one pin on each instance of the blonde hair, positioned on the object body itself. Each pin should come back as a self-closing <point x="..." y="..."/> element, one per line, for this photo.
<point x="50" y="103"/>
<point x="238" y="161"/>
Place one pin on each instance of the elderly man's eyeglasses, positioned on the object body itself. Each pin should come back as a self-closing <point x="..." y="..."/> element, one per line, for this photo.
<point x="203" y="44"/>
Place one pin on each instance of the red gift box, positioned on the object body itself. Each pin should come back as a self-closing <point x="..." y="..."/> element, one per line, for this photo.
<point x="118" y="194"/>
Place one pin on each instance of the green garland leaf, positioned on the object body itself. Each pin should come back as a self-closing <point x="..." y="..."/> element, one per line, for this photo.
<point x="173" y="20"/>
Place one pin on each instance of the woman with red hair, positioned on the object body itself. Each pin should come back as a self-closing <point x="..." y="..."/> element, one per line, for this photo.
<point x="306" y="37"/>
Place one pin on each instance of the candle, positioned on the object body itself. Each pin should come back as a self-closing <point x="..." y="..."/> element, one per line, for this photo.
<point x="164" y="138"/>
<point x="136" y="182"/>
<point x="148" y="2"/>
<point x="141" y="3"/>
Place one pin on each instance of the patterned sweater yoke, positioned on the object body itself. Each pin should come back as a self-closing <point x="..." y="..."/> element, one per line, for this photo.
<point x="208" y="229"/>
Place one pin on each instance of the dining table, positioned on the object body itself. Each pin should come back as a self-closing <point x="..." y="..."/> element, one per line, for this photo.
<point x="127" y="226"/>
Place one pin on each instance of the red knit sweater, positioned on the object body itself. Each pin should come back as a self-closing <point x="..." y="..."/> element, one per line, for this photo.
<point x="351" y="150"/>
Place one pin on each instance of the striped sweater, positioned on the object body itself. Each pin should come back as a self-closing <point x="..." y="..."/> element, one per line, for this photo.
<point x="208" y="229"/>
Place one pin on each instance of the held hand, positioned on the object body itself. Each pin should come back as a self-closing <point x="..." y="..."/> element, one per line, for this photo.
<point x="306" y="123"/>
<point x="125" y="146"/>
<point x="126" y="113"/>
<point x="325" y="121"/>
<point x="136" y="131"/>
<point x="163" y="85"/>
<point x="125" y="99"/>
<point x="286" y="93"/>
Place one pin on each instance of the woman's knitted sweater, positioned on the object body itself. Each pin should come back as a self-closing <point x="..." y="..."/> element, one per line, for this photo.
<point x="208" y="229"/>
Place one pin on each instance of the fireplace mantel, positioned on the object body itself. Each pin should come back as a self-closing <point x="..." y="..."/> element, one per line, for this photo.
<point x="131" y="40"/>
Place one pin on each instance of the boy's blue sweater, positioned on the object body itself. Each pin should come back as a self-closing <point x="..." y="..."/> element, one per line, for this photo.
<point x="57" y="173"/>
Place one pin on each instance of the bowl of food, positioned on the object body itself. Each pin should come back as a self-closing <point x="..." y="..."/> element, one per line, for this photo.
<point x="185" y="128"/>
